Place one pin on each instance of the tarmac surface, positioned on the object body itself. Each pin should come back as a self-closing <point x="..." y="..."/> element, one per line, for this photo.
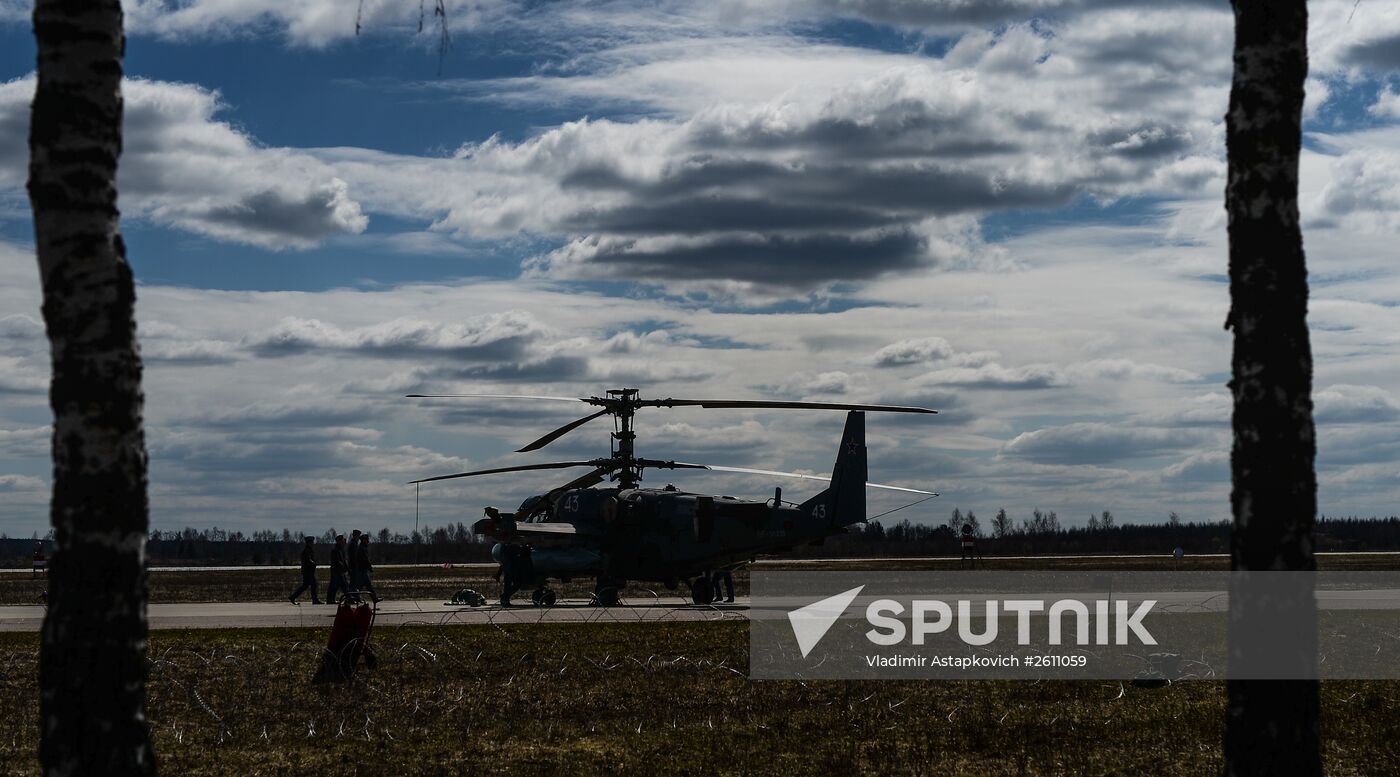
<point x="635" y="609"/>
<point x="782" y="563"/>
<point x="254" y="615"/>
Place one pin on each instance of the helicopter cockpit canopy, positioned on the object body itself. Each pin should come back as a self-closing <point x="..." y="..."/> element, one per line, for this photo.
<point x="528" y="506"/>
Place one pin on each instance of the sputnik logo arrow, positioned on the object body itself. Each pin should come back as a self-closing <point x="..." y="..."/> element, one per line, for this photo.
<point x="811" y="623"/>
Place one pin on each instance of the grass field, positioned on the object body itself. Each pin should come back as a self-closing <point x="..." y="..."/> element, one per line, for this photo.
<point x="659" y="698"/>
<point x="251" y="585"/>
<point x="648" y="699"/>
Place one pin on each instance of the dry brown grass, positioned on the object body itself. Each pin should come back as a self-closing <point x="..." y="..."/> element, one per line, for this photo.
<point x="668" y="698"/>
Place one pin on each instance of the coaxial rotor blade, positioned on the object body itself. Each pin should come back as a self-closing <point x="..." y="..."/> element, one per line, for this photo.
<point x="748" y="471"/>
<point x="611" y="402"/>
<point x="658" y="464"/>
<point x="521" y="468"/>
<point x="596" y="476"/>
<point x="900" y="488"/>
<point x="780" y="404"/>
<point x="552" y="496"/>
<point x="492" y="396"/>
<point x="561" y="431"/>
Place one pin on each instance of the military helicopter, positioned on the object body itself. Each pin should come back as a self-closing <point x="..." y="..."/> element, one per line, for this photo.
<point x="625" y="532"/>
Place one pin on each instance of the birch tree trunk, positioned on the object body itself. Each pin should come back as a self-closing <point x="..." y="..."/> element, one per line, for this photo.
<point x="92" y="665"/>
<point x="1272" y="725"/>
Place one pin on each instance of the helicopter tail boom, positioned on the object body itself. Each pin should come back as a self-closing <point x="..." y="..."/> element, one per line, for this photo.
<point x="843" y="502"/>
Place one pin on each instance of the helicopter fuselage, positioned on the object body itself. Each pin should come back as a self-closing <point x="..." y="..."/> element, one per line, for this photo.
<point x="659" y="535"/>
<point x="629" y="533"/>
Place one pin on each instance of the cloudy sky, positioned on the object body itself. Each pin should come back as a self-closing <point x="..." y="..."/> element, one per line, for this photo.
<point x="1006" y="210"/>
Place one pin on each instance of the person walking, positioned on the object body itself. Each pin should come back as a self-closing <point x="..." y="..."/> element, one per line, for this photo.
<point x="352" y="554"/>
<point x="308" y="573"/>
<point x="727" y="577"/>
<point x="340" y="564"/>
<point x="517" y="569"/>
<point x="970" y="556"/>
<point x="361" y="567"/>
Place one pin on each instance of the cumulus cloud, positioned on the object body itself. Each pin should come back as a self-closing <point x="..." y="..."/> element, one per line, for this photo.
<point x="11" y="484"/>
<point x="284" y="415"/>
<point x="613" y="371"/>
<point x="183" y="167"/>
<point x="198" y="352"/>
<point x="1363" y="192"/>
<point x="1376" y="52"/>
<point x="1097" y="443"/>
<point x="995" y="376"/>
<point x="1387" y="104"/>
<point x="884" y="169"/>
<point x="265" y="450"/>
<point x="680" y="439"/>
<point x="311" y="23"/>
<point x="493" y="337"/>
<point x="736" y="152"/>
<point x="921" y="350"/>
<point x="633" y="342"/>
<point x="1378" y="477"/>
<point x="1347" y="404"/>
<point x="1205" y="410"/>
<point x="19" y="375"/>
<point x="1126" y="368"/>
<point x="319" y="23"/>
<point x="784" y="182"/>
<point x="167" y="344"/>
<point x="804" y="384"/>
<point x="1344" y="35"/>
<point x="26" y="442"/>
<point x="963" y="14"/>
<point x="763" y="259"/>
<point x="556" y="368"/>
<point x="20" y="334"/>
<point x="1203" y="467"/>
<point x="326" y="488"/>
<point x="569" y="365"/>
<point x="935" y="118"/>
<point x="913" y="351"/>
<point x="511" y="346"/>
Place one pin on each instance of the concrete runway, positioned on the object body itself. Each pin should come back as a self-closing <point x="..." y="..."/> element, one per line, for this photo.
<point x="254" y="615"/>
<point x="488" y="566"/>
<point x="637" y="609"/>
<point x="780" y="563"/>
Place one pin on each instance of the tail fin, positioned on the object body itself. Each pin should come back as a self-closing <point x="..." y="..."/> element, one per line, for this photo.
<point x="843" y="502"/>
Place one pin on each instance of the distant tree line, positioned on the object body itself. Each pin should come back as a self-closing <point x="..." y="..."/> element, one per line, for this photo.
<point x="216" y="546"/>
<point x="1040" y="533"/>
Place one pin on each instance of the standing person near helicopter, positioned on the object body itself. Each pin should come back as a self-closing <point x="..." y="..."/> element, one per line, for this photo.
<point x="340" y="564"/>
<point x="360" y="567"/>
<point x="308" y="572"/>
<point x="352" y="555"/>
<point x="727" y="578"/>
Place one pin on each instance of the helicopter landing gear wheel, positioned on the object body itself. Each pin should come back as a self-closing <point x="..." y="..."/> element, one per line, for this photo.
<point x="543" y="597"/>
<point x="605" y="594"/>
<point x="701" y="591"/>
